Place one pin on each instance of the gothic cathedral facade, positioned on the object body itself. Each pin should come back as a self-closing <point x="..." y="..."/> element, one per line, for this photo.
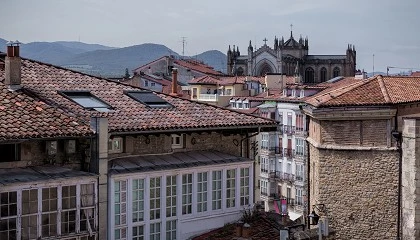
<point x="291" y="58"/>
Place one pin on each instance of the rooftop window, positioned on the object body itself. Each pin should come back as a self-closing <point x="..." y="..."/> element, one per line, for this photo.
<point x="149" y="99"/>
<point x="87" y="100"/>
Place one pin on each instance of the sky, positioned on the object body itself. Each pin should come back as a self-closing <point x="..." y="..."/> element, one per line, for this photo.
<point x="384" y="32"/>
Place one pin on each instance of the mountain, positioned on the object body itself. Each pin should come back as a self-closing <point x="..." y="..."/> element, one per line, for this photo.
<point x="214" y="58"/>
<point x="106" y="61"/>
<point x="114" y="62"/>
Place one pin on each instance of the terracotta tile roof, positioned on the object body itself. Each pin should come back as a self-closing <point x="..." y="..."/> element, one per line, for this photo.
<point x="128" y="115"/>
<point x="240" y="79"/>
<point x="23" y="116"/>
<point x="378" y="90"/>
<point x="207" y="80"/>
<point x="415" y="74"/>
<point x="198" y="66"/>
<point x="160" y="80"/>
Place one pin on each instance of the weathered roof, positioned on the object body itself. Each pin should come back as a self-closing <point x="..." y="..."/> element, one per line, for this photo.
<point x="147" y="163"/>
<point x="197" y="66"/>
<point x="127" y="115"/>
<point x="9" y="176"/>
<point x="206" y="80"/>
<point x="378" y="90"/>
<point x="23" y="116"/>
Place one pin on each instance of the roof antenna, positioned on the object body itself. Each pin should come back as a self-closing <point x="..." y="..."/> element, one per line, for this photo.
<point x="373" y="74"/>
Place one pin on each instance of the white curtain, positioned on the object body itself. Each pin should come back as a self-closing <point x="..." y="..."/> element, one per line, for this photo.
<point x="87" y="192"/>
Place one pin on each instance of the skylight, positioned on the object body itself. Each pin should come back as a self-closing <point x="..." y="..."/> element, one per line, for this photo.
<point x="149" y="98"/>
<point x="87" y="100"/>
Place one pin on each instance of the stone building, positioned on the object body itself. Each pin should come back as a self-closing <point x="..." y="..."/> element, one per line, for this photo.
<point x="288" y="56"/>
<point x="356" y="170"/>
<point x="147" y="165"/>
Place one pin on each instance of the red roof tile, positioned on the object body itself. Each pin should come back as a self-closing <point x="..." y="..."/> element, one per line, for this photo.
<point x="378" y="90"/>
<point x="129" y="115"/>
<point x="207" y="80"/>
<point x="198" y="66"/>
<point x="23" y="116"/>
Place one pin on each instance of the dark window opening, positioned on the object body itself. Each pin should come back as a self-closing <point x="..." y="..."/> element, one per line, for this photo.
<point x="9" y="152"/>
<point x="323" y="74"/>
<point x="309" y="75"/>
<point x="149" y="99"/>
<point x="87" y="100"/>
<point x="336" y="72"/>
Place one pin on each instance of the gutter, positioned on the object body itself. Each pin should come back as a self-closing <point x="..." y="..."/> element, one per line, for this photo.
<point x="206" y="129"/>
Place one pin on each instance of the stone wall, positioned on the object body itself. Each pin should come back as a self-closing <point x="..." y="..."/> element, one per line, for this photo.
<point x="410" y="185"/>
<point x="369" y="133"/>
<point x="359" y="189"/>
<point x="158" y="144"/>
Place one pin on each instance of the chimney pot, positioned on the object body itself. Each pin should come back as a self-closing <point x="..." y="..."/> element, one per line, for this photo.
<point x="13" y="68"/>
<point x="174" y="82"/>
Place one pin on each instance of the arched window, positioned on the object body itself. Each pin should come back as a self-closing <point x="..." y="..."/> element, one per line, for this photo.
<point x="240" y="71"/>
<point x="323" y="74"/>
<point x="336" y="72"/>
<point x="309" y="75"/>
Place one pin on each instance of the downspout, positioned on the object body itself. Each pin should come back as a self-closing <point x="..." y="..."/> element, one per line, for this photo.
<point x="399" y="149"/>
<point x="247" y="156"/>
<point x="308" y="170"/>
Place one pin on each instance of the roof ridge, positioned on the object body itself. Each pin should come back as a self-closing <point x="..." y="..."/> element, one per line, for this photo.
<point x="349" y="87"/>
<point x="383" y="88"/>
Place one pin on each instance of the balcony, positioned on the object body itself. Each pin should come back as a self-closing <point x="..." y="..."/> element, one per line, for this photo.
<point x="287" y="152"/>
<point x="301" y="132"/>
<point x="288" y="177"/>
<point x="298" y="155"/>
<point x="299" y="178"/>
<point x="289" y="130"/>
<point x="276" y="175"/>
<point x="276" y="150"/>
<point x="208" y="97"/>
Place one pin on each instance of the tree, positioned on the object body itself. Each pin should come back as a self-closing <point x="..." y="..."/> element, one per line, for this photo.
<point x="127" y="74"/>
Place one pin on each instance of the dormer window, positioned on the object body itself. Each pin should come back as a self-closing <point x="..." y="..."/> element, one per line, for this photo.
<point x="293" y="93"/>
<point x="302" y="93"/>
<point x="87" y="100"/>
<point x="284" y="92"/>
<point x="149" y="99"/>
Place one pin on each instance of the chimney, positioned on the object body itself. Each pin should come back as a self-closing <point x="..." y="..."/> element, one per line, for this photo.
<point x="174" y="91"/>
<point x="12" y="66"/>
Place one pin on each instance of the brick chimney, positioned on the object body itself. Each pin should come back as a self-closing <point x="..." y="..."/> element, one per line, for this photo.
<point x="13" y="66"/>
<point x="174" y="91"/>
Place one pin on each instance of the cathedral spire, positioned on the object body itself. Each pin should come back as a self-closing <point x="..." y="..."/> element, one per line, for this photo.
<point x="291" y="30"/>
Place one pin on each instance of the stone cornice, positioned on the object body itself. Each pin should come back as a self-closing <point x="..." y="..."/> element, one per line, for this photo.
<point x="342" y="147"/>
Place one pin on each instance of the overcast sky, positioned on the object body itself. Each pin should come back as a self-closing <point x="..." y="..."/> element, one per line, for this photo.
<point x="389" y="29"/>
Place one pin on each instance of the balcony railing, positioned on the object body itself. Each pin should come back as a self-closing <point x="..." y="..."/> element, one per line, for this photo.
<point x="276" y="150"/>
<point x="288" y="177"/>
<point x="301" y="132"/>
<point x="208" y="97"/>
<point x="287" y="152"/>
<point x="299" y="178"/>
<point x="290" y="201"/>
<point x="264" y="193"/>
<point x="298" y="155"/>
<point x="275" y="175"/>
<point x="289" y="130"/>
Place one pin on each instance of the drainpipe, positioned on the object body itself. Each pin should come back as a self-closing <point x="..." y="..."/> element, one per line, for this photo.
<point x="398" y="137"/>
<point x="247" y="156"/>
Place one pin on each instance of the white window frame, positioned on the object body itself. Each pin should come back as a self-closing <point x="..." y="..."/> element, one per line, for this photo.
<point x="187" y="193"/>
<point x="115" y="145"/>
<point x="37" y="208"/>
<point x="231" y="188"/>
<point x="202" y="181"/>
<point x="217" y="189"/>
<point x="177" y="141"/>
<point x="244" y="186"/>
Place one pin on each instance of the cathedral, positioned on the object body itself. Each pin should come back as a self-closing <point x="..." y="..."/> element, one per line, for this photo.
<point x="291" y="58"/>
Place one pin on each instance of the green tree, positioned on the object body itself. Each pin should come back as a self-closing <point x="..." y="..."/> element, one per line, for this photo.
<point x="127" y="74"/>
